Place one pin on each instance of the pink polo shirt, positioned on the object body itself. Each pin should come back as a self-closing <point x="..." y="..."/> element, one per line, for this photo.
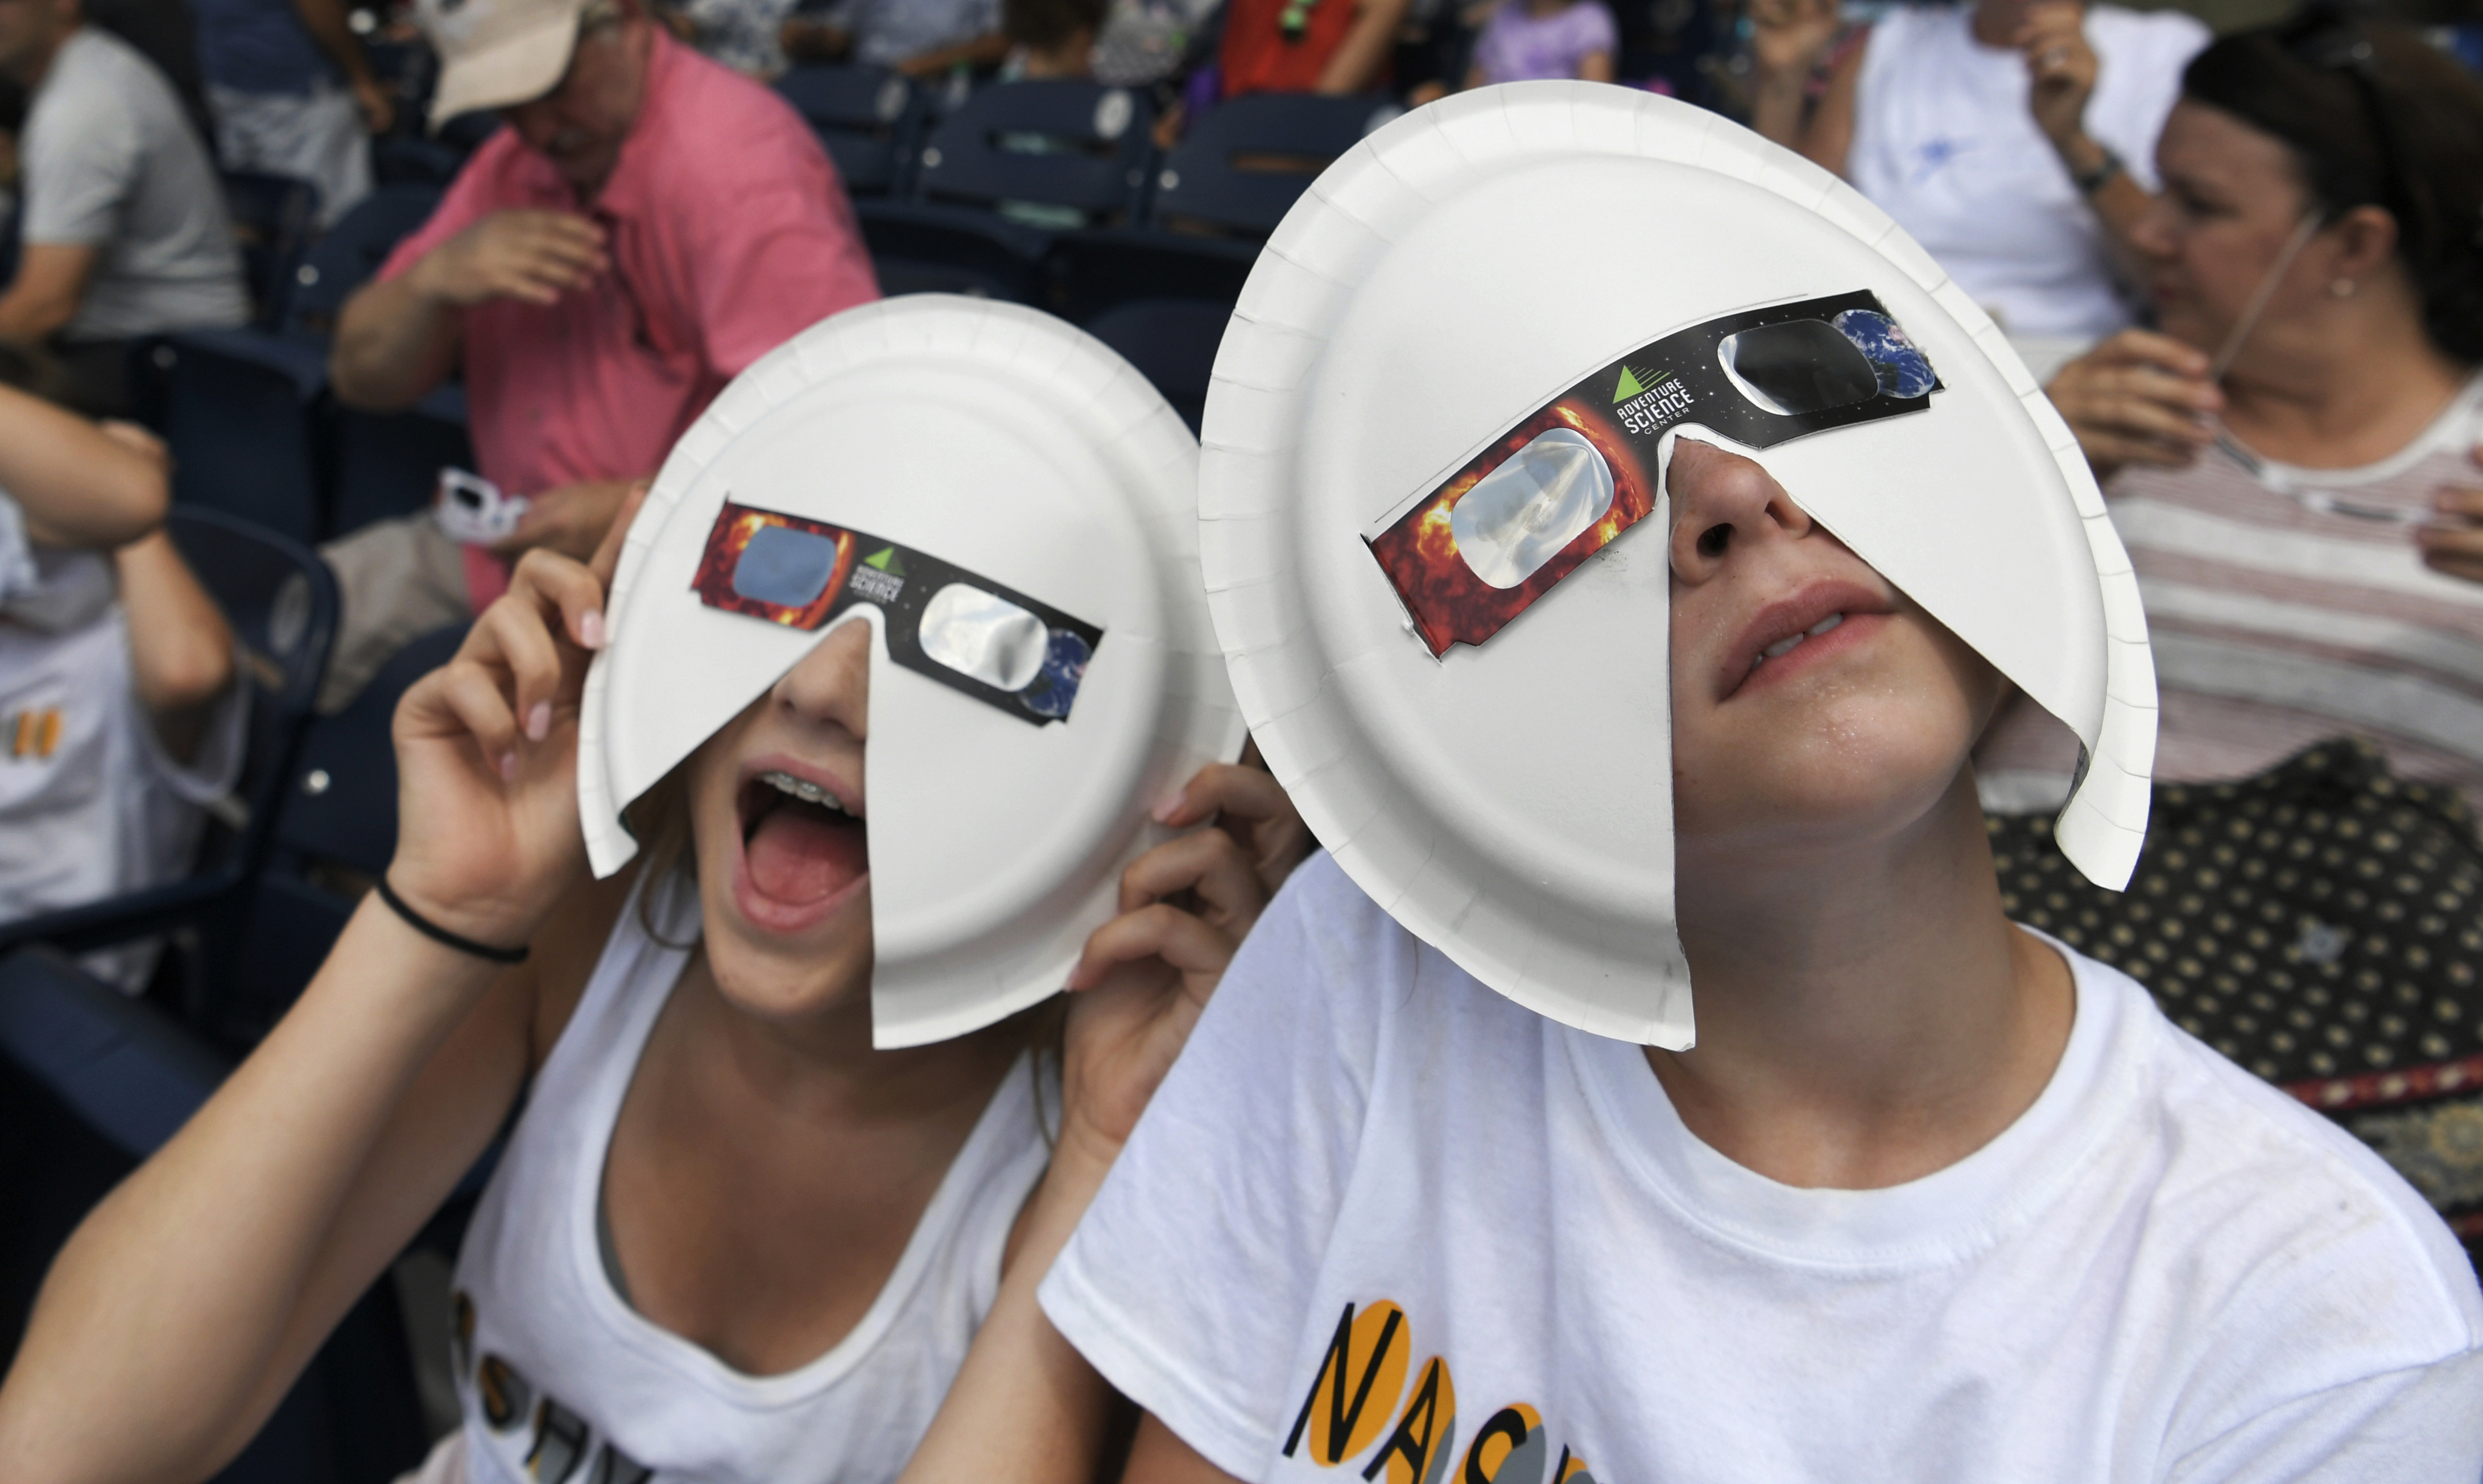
<point x="729" y="233"/>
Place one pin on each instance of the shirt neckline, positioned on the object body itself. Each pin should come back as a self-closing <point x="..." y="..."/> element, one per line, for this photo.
<point x="1945" y="1217"/>
<point x="685" y="1357"/>
<point x="2442" y="435"/>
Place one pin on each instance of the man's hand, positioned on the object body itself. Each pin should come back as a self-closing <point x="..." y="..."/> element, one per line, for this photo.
<point x="2061" y="70"/>
<point x="2138" y="398"/>
<point x="2454" y="543"/>
<point x="377" y="103"/>
<point x="532" y="256"/>
<point x="571" y="519"/>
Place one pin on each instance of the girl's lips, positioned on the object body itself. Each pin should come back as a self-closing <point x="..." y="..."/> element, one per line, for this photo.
<point x="1815" y="621"/>
<point x="1857" y="628"/>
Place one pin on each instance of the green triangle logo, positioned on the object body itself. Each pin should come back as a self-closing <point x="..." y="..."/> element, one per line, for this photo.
<point x="1629" y="386"/>
<point x="884" y="559"/>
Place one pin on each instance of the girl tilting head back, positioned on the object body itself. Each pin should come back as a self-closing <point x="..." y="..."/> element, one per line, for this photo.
<point x="1649" y="1084"/>
<point x="904" y="676"/>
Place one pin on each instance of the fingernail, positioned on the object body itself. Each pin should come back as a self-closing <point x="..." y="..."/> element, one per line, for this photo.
<point x="590" y="628"/>
<point x="1166" y="808"/>
<point x="539" y="721"/>
<point x="509" y="767"/>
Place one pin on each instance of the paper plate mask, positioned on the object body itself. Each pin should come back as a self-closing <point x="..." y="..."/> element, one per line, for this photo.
<point x="1010" y="506"/>
<point x="1435" y="423"/>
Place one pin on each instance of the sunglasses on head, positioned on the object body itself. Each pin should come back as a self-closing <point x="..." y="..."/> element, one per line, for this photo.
<point x="1483" y="544"/>
<point x="966" y="631"/>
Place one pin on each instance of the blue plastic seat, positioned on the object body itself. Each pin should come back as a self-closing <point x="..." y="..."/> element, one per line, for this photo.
<point x="274" y="218"/>
<point x="1002" y="177"/>
<point x="336" y="830"/>
<point x="353" y="249"/>
<point x="1172" y="342"/>
<point x="246" y="411"/>
<point x="870" y="119"/>
<point x="1243" y="166"/>
<point x="1216" y="197"/>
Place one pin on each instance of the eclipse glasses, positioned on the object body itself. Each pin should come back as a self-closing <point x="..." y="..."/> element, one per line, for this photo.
<point x="966" y="631"/>
<point x="1568" y="478"/>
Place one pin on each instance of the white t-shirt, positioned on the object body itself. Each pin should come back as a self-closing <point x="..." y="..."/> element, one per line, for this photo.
<point x="2164" y="1270"/>
<point x="111" y="162"/>
<point x="1943" y="143"/>
<point x="90" y="804"/>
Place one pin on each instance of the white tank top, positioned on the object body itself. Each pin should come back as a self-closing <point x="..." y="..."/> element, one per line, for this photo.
<point x="562" y="1380"/>
<point x="1943" y="143"/>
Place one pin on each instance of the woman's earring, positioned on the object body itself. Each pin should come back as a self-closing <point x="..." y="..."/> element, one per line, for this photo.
<point x="2340" y="288"/>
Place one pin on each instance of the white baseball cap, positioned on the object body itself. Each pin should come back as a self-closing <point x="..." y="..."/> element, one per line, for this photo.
<point x="1011" y="507"/>
<point x="1448" y="396"/>
<point x="497" y="53"/>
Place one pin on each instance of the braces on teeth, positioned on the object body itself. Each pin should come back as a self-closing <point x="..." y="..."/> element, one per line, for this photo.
<point x="1784" y="646"/>
<point x="803" y="789"/>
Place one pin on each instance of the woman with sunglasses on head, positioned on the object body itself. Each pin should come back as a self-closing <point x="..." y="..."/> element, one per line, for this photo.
<point x="1649" y="1083"/>
<point x="788" y="1090"/>
<point x="2289" y="458"/>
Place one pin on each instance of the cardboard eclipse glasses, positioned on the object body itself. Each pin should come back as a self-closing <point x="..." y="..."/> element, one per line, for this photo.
<point x="1490" y="541"/>
<point x="966" y="631"/>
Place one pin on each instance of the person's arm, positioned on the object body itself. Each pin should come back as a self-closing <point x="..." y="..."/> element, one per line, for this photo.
<point x="1026" y="1406"/>
<point x="180" y="650"/>
<point x="50" y="284"/>
<point x="2138" y="398"/>
<point x="2060" y="71"/>
<point x="1355" y="66"/>
<point x="1789" y="39"/>
<point x="325" y="20"/>
<point x="399" y="337"/>
<point x="78" y="485"/>
<point x="1595" y="66"/>
<point x="179" y="1313"/>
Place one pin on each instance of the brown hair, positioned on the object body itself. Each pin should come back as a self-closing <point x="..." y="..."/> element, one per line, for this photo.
<point x="2373" y="116"/>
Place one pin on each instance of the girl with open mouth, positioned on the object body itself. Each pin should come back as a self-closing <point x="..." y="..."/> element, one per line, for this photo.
<point x="785" y="1096"/>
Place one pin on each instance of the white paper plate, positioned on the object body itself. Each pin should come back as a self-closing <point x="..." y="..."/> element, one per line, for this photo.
<point x="1014" y="445"/>
<point x="1512" y="804"/>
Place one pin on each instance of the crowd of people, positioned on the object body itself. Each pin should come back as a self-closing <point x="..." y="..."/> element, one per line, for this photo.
<point x="1975" y="1168"/>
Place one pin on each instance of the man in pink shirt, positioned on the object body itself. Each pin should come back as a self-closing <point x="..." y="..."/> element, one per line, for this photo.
<point x="650" y="224"/>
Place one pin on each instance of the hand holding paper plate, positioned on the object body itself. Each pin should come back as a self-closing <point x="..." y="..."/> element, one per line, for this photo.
<point x="1007" y="504"/>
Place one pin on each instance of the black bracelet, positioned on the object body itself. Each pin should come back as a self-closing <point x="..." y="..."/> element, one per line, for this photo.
<point x="440" y="935"/>
<point x="2089" y="182"/>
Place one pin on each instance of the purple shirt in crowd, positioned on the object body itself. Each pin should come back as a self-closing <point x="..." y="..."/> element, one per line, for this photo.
<point x="1516" y="48"/>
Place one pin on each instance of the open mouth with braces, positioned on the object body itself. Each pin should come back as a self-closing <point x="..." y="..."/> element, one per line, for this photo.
<point x="803" y="845"/>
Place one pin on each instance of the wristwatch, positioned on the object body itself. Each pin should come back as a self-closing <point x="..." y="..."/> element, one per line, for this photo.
<point x="2089" y="181"/>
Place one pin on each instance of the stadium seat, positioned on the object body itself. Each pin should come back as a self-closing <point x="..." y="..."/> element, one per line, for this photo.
<point x="247" y="412"/>
<point x="1216" y="197"/>
<point x="351" y="252"/>
<point x="242" y="412"/>
<point x="1241" y="167"/>
<point x="335" y="832"/>
<point x="281" y="601"/>
<point x="90" y="1083"/>
<point x="1012" y="166"/>
<point x="1172" y="342"/>
<point x="868" y="117"/>
<point x="387" y="463"/>
<point x="274" y="218"/>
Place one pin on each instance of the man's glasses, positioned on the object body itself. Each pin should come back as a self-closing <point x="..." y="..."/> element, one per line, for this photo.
<point x="966" y="631"/>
